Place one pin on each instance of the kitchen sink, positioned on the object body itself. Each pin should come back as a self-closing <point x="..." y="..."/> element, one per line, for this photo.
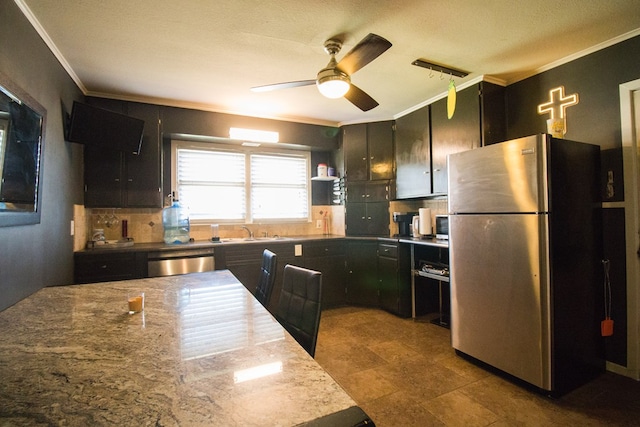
<point x="253" y="239"/>
<point x="111" y="244"/>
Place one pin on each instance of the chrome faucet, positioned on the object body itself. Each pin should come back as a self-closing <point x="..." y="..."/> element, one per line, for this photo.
<point x="250" y="232"/>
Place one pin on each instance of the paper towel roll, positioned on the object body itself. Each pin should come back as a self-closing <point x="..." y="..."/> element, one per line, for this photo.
<point x="425" y="221"/>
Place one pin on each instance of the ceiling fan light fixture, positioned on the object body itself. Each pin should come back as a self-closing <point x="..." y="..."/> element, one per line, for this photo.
<point x="332" y="83"/>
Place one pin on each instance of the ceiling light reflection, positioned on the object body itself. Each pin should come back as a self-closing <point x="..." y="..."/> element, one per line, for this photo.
<point x="257" y="372"/>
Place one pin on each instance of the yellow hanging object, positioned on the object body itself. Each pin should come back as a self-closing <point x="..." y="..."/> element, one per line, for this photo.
<point x="451" y="99"/>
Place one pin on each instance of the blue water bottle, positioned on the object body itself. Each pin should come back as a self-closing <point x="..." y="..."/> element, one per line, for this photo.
<point x="175" y="220"/>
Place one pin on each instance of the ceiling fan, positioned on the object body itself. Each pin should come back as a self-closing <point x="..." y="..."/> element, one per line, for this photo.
<point x="334" y="81"/>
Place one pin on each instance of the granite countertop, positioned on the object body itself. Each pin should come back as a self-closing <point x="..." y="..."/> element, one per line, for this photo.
<point x="72" y="355"/>
<point x="202" y="244"/>
<point x="199" y="244"/>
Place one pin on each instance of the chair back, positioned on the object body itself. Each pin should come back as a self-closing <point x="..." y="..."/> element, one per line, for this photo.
<point x="298" y="309"/>
<point x="267" y="277"/>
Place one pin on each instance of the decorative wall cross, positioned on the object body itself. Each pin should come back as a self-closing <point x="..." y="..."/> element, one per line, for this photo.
<point x="558" y="103"/>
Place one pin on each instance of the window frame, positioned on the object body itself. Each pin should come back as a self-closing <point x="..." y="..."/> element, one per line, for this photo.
<point x="247" y="151"/>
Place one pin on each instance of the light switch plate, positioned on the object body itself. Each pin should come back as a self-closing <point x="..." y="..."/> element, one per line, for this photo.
<point x="73" y="227"/>
<point x="298" y="250"/>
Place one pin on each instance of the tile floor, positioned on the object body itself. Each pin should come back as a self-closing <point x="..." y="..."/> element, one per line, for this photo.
<point x="404" y="373"/>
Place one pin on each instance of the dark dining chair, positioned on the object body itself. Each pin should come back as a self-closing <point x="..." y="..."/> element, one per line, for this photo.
<point x="298" y="309"/>
<point x="267" y="277"/>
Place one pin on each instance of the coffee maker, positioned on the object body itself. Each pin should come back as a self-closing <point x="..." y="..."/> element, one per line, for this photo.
<point x="403" y="219"/>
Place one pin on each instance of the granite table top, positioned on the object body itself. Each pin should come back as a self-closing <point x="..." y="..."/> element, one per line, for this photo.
<point x="203" y="352"/>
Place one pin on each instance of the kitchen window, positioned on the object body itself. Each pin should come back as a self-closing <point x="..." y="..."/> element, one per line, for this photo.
<point x="228" y="183"/>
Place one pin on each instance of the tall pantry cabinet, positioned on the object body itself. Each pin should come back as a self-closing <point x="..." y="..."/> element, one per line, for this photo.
<point x="369" y="173"/>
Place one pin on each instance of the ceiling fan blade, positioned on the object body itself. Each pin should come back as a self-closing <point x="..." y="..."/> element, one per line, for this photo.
<point x="360" y="98"/>
<point x="278" y="86"/>
<point x="364" y="52"/>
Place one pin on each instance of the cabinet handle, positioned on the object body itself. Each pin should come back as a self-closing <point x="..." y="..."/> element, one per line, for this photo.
<point x="364" y="217"/>
<point x="436" y="170"/>
<point x="117" y="179"/>
<point x="364" y="158"/>
<point x="130" y="180"/>
<point x="103" y="266"/>
<point x="426" y="172"/>
<point x="369" y="218"/>
<point x="372" y="157"/>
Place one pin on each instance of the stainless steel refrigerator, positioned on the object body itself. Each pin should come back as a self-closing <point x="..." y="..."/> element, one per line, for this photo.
<point x="525" y="260"/>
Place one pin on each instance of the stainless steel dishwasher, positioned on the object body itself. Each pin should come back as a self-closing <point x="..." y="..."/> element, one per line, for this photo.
<point x="180" y="261"/>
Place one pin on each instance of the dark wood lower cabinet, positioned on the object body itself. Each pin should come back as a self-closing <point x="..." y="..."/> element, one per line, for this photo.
<point x="394" y="278"/>
<point x="328" y="257"/>
<point x="362" y="273"/>
<point x="359" y="271"/>
<point x="91" y="267"/>
<point x="245" y="262"/>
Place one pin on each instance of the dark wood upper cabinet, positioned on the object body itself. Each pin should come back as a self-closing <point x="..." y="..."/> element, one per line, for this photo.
<point x="380" y="143"/>
<point x="115" y="179"/>
<point x="478" y="120"/>
<point x="368" y="151"/>
<point x="413" y="155"/>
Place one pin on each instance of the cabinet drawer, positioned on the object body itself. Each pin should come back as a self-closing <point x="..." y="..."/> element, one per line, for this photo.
<point x="107" y="267"/>
<point x="323" y="249"/>
<point x="387" y="250"/>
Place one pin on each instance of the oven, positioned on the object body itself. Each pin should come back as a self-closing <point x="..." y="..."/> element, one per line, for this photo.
<point x="180" y="261"/>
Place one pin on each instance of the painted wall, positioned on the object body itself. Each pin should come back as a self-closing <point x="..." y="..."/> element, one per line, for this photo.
<point x="596" y="119"/>
<point x="35" y="256"/>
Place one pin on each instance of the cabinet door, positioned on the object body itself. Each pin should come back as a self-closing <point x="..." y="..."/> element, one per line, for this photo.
<point x="143" y="170"/>
<point x="377" y="191"/>
<point x="413" y="155"/>
<point x="102" y="267"/>
<point x="354" y="138"/>
<point x="378" y="219"/>
<point x="367" y="191"/>
<point x="103" y="171"/>
<point x="357" y="191"/>
<point x="380" y="144"/>
<point x="332" y="268"/>
<point x="460" y="133"/>
<point x="362" y="274"/>
<point x="327" y="256"/>
<point x="367" y="219"/>
<point x="356" y="219"/>
<point x="388" y="283"/>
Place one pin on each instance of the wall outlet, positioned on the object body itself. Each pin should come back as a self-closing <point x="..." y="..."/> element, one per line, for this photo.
<point x="298" y="250"/>
<point x="319" y="223"/>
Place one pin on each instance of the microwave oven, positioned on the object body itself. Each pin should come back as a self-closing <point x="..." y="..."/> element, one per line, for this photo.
<point x="442" y="227"/>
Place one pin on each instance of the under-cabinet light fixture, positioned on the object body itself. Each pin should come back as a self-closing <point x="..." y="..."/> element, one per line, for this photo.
<point x="253" y="135"/>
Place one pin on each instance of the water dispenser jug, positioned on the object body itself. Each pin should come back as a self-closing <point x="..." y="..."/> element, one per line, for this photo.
<point x="175" y="220"/>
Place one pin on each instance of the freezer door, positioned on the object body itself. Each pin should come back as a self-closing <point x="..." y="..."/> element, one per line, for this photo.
<point x="500" y="293"/>
<point x="505" y="177"/>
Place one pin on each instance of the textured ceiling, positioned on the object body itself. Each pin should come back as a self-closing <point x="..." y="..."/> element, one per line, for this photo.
<point x="207" y="54"/>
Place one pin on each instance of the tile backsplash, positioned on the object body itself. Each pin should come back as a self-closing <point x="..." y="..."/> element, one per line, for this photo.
<point x="145" y="225"/>
<point x="437" y="206"/>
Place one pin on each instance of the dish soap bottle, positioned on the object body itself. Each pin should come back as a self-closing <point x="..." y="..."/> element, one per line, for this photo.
<point x="175" y="220"/>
